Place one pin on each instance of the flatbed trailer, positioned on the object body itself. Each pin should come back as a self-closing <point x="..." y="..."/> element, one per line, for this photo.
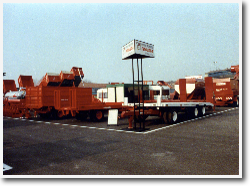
<point x="172" y="104"/>
<point x="168" y="109"/>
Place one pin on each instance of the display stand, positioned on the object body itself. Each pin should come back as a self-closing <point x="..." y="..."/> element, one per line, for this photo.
<point x="140" y="116"/>
<point x="137" y="50"/>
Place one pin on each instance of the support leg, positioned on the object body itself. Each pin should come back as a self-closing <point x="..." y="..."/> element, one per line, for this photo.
<point x="130" y="120"/>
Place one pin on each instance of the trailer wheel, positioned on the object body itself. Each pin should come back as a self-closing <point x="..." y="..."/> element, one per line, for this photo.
<point x="97" y="115"/>
<point x="192" y="113"/>
<point x="236" y="103"/>
<point x="165" y="117"/>
<point x="170" y="116"/>
<point x="196" y="112"/>
<point x="60" y="114"/>
<point x="202" y="111"/>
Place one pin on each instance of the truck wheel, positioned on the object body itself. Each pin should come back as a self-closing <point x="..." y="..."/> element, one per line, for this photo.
<point x="172" y="116"/>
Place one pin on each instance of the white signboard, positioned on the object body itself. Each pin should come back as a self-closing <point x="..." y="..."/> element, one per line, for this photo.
<point x="138" y="49"/>
<point x="113" y="117"/>
<point x="194" y="77"/>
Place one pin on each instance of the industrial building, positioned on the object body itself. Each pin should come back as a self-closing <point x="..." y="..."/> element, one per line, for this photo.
<point x="226" y="73"/>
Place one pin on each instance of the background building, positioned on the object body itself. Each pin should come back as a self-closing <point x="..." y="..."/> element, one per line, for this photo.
<point x="220" y="74"/>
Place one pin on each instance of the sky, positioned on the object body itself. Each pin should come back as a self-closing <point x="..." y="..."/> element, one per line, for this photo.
<point x="187" y="37"/>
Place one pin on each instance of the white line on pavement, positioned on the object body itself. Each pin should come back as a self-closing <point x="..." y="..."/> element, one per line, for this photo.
<point x="6" y="167"/>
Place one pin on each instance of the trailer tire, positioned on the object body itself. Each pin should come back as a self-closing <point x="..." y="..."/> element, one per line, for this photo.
<point x="192" y="113"/>
<point x="196" y="112"/>
<point x="236" y="103"/>
<point x="201" y="111"/>
<point x="60" y="113"/>
<point x="96" y="115"/>
<point x="165" y="117"/>
<point x="170" y="116"/>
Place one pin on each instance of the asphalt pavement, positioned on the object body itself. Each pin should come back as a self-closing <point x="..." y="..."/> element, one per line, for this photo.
<point x="207" y="145"/>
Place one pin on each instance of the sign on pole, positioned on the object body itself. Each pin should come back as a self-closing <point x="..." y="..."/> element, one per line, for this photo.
<point x="137" y="49"/>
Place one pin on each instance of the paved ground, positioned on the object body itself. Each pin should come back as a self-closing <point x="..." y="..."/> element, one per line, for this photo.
<point x="206" y="146"/>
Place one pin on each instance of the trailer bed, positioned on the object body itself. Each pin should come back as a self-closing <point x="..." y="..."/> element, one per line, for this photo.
<point x="172" y="104"/>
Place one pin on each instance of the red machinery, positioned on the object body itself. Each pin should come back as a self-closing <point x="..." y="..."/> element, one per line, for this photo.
<point x="25" y="81"/>
<point x="163" y="83"/>
<point x="56" y="95"/>
<point x="9" y="85"/>
<point x="235" y="68"/>
<point x="58" y="101"/>
<point x="226" y="90"/>
<point x="195" y="89"/>
<point x="14" y="103"/>
<point x="169" y="109"/>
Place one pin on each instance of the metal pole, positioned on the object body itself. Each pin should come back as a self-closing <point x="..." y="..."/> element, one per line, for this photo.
<point x="142" y="96"/>
<point x="139" y="91"/>
<point x="133" y="91"/>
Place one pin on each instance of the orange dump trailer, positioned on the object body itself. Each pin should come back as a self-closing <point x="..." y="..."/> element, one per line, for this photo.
<point x="14" y="104"/>
<point x="9" y="85"/>
<point x="57" y="95"/>
<point x="25" y="81"/>
<point x="61" y="101"/>
<point x="226" y="90"/>
<point x="57" y="101"/>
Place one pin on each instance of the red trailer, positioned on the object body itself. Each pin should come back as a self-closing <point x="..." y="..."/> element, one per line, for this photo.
<point x="9" y="85"/>
<point x="226" y="90"/>
<point x="15" y="108"/>
<point x="14" y="104"/>
<point x="168" y="109"/>
<point x="195" y="89"/>
<point x="25" y="81"/>
<point x="61" y="101"/>
<point x="58" y="95"/>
